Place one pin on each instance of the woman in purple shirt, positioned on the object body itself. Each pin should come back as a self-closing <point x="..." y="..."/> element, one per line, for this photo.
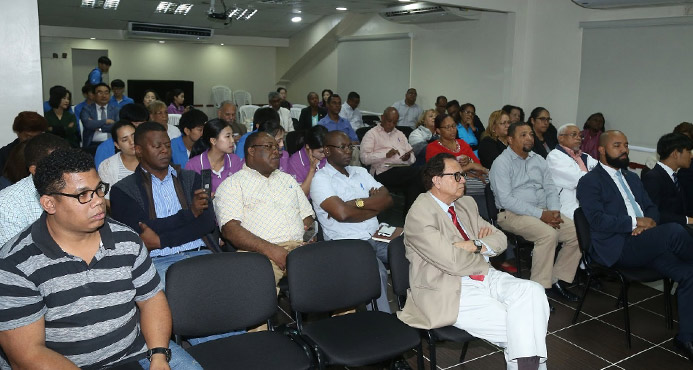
<point x="304" y="163"/>
<point x="216" y="147"/>
<point x="177" y="98"/>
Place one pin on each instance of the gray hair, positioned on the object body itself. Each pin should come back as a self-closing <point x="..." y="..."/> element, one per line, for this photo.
<point x="272" y="95"/>
<point x="564" y="128"/>
<point x="226" y="102"/>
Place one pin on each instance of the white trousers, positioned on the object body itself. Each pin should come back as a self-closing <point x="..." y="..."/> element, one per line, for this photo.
<point x="509" y="312"/>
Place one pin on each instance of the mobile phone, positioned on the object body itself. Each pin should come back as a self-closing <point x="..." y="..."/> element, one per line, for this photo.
<point x="310" y="233"/>
<point x="386" y="230"/>
<point x="207" y="181"/>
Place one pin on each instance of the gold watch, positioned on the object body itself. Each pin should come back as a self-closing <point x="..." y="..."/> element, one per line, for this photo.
<point x="359" y="203"/>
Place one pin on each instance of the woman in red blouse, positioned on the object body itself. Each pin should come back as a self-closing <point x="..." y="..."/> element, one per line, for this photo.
<point x="448" y="143"/>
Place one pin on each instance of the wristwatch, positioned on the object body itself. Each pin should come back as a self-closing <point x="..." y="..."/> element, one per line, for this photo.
<point x="478" y="245"/>
<point x="165" y="351"/>
<point x="359" y="203"/>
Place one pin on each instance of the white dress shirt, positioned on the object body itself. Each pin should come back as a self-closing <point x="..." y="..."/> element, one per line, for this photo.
<point x="98" y="134"/>
<point x="352" y="115"/>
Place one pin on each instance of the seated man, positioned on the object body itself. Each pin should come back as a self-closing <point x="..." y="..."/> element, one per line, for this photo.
<point x="227" y="112"/>
<point x="662" y="184"/>
<point x="261" y="209"/>
<point x="118" y="98"/>
<point x="167" y="206"/>
<point x="135" y="114"/>
<point x="387" y="151"/>
<point x="409" y="111"/>
<point x="98" y="118"/>
<point x="333" y="121"/>
<point x="79" y="288"/>
<point x="451" y="282"/>
<point x="528" y="202"/>
<point x="261" y="115"/>
<point x="624" y="231"/>
<point x="347" y="200"/>
<point x="191" y="124"/>
<point x="350" y="111"/>
<point x="567" y="164"/>
<point x="19" y="203"/>
<point x="275" y="101"/>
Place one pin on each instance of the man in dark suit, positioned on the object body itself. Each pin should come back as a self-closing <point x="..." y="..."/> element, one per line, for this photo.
<point x="98" y="118"/>
<point x="662" y="183"/>
<point x="623" y="223"/>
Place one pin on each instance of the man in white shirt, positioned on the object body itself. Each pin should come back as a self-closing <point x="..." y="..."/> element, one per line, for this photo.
<point x="409" y="112"/>
<point x="275" y="101"/>
<point x="350" y="111"/>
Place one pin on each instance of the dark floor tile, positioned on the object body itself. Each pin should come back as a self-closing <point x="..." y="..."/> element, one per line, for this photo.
<point x="602" y="340"/>
<point x="656" y="358"/>
<point x="566" y="356"/>
<point x="656" y="304"/>
<point x="494" y="361"/>
<point x="643" y="323"/>
<point x="636" y="292"/>
<point x="448" y="353"/>
<point x="563" y="316"/>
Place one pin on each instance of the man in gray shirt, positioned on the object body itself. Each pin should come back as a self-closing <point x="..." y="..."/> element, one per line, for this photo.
<point x="529" y="206"/>
<point x="409" y="111"/>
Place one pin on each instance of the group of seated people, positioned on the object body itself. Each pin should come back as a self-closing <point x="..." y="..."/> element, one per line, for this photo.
<point x="142" y="204"/>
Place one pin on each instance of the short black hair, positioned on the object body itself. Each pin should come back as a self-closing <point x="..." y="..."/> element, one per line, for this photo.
<point x="271" y="126"/>
<point x="117" y="83"/>
<point x="251" y="140"/>
<point x="434" y="167"/>
<point x="191" y="119"/>
<point x="50" y="170"/>
<point x="56" y="94"/>
<point x="329" y="100"/>
<point x="279" y="89"/>
<point x="438" y="121"/>
<point x="353" y="95"/>
<point x="104" y="60"/>
<point x="669" y="143"/>
<point x="514" y="126"/>
<point x="87" y="88"/>
<point x="39" y="146"/>
<point x="264" y="114"/>
<point x="452" y="103"/>
<point x="134" y="112"/>
<point x="117" y="126"/>
<point x="93" y="87"/>
<point x="146" y="127"/>
<point x="441" y="97"/>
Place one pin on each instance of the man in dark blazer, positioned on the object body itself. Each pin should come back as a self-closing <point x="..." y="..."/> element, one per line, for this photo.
<point x="623" y="224"/>
<point x="662" y="183"/>
<point x="98" y="118"/>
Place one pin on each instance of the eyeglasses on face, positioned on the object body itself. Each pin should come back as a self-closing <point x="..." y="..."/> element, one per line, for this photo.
<point x="573" y="134"/>
<point x="468" y="112"/>
<point x="458" y="175"/>
<point x="270" y="147"/>
<point x="343" y="147"/>
<point x="87" y="195"/>
<point x="545" y="119"/>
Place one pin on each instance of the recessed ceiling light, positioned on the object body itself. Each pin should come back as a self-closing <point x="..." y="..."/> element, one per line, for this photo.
<point x="296" y="19"/>
<point x="404" y="1"/>
<point x="104" y="4"/>
<point x="222" y="44"/>
<point x="341" y="8"/>
<point x="162" y="42"/>
<point x="167" y="7"/>
<point x="92" y="38"/>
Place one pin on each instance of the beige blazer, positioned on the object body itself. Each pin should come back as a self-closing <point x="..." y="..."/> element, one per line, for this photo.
<point x="436" y="266"/>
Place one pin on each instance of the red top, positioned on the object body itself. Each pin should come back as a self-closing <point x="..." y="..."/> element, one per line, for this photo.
<point x="436" y="147"/>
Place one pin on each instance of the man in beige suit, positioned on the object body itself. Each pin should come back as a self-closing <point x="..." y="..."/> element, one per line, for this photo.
<point x="452" y="283"/>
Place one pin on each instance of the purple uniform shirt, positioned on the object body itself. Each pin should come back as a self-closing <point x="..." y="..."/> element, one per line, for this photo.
<point x="232" y="163"/>
<point x="299" y="165"/>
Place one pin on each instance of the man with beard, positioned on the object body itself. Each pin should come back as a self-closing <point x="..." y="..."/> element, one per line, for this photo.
<point x="623" y="223"/>
<point x="529" y="206"/>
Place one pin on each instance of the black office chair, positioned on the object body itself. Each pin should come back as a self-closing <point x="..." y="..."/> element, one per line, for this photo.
<point x="370" y="119"/>
<point x="624" y="275"/>
<point x="333" y="275"/>
<point x="361" y="132"/>
<point x="225" y="292"/>
<point x="399" y="272"/>
<point x="406" y="130"/>
<point x="521" y="244"/>
<point x="291" y="142"/>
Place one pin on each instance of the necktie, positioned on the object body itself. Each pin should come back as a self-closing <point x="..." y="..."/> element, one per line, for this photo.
<point x="103" y="113"/>
<point x="452" y="213"/>
<point x="629" y="195"/>
<point x="676" y="182"/>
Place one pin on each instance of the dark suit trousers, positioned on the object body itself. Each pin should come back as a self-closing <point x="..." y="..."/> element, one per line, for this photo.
<point x="667" y="248"/>
<point x="408" y="178"/>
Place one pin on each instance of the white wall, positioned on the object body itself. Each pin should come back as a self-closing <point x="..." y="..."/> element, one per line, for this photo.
<point x="20" y="66"/>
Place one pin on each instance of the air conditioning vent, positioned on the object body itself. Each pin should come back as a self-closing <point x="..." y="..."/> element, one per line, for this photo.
<point x="428" y="13"/>
<point x="159" y="31"/>
<point x="406" y="12"/>
<point x="608" y="4"/>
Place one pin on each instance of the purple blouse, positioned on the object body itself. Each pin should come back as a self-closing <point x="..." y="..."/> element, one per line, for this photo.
<point x="284" y="162"/>
<point x="232" y="163"/>
<point x="299" y="165"/>
<point x="175" y="110"/>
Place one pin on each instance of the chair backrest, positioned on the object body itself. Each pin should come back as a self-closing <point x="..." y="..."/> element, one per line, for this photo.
<point x="242" y="97"/>
<point x="399" y="268"/>
<point x="220" y="292"/>
<point x="406" y="130"/>
<point x="491" y="204"/>
<point x="295" y="112"/>
<point x="298" y="106"/>
<point x="245" y="113"/>
<point x="370" y="119"/>
<point x="643" y="171"/>
<point x="220" y="94"/>
<point x="292" y="140"/>
<point x="331" y="275"/>
<point x="582" y="229"/>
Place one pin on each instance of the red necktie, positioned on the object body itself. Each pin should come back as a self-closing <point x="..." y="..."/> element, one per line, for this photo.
<point x="451" y="211"/>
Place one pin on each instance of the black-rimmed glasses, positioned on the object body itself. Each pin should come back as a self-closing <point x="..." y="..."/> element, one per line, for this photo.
<point x="87" y="195"/>
<point x="270" y="147"/>
<point x="458" y="175"/>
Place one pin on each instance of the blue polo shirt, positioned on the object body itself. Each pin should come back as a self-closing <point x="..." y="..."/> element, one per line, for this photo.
<point x="341" y="125"/>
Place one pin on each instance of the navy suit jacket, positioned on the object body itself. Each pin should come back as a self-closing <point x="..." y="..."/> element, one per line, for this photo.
<point x="606" y="212"/>
<point x="88" y="117"/>
<point x="670" y="201"/>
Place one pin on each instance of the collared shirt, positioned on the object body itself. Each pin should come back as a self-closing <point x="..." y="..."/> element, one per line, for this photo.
<point x="232" y="164"/>
<point x="125" y="101"/>
<point x="408" y="115"/>
<point x="352" y="115"/>
<point x="19" y="208"/>
<point x="613" y="173"/>
<point x="101" y="115"/>
<point x="668" y="170"/>
<point x="375" y="145"/>
<point x="329" y="182"/>
<point x="166" y="204"/>
<point x="113" y="170"/>
<point x="523" y="186"/>
<point x="576" y="157"/>
<point x="341" y="125"/>
<point x="272" y="208"/>
<point x="299" y="165"/>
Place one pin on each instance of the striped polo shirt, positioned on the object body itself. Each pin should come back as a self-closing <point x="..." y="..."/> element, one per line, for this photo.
<point x="90" y="309"/>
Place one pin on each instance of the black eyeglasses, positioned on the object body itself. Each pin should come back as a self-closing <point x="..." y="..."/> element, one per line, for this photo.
<point x="270" y="147"/>
<point x="458" y="175"/>
<point x="468" y="112"/>
<point x="344" y="147"/>
<point x="573" y="134"/>
<point x="546" y="119"/>
<point x="87" y="195"/>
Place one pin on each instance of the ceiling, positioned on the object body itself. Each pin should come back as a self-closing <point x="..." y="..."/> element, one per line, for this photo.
<point x="271" y="20"/>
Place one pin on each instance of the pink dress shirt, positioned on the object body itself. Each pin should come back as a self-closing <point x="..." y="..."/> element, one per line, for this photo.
<point x="375" y="145"/>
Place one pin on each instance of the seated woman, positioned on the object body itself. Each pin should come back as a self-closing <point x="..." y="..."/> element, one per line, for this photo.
<point x="304" y="163"/>
<point x="423" y="133"/>
<point x="545" y="134"/>
<point x="177" y="98"/>
<point x="311" y="114"/>
<point x="467" y="129"/>
<point x="214" y="151"/>
<point x="495" y="139"/>
<point x="124" y="161"/>
<point x="190" y="125"/>
<point x="592" y="130"/>
<point x="158" y="113"/>
<point x="149" y="96"/>
<point x="325" y="95"/>
<point x="515" y="113"/>
<point x="282" y="94"/>
<point x="60" y="121"/>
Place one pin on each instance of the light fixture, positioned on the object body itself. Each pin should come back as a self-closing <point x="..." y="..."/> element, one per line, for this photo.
<point x="222" y="44"/>
<point x="92" y="38"/>
<point x="341" y="8"/>
<point x="404" y="1"/>
<point x="296" y="19"/>
<point x="167" y="7"/>
<point x="162" y="42"/>
<point x="103" y="4"/>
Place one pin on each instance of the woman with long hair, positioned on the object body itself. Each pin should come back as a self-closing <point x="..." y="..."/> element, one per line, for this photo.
<point x="214" y="151"/>
<point x="60" y="121"/>
<point x="495" y="139"/>
<point x="545" y="134"/>
<point x="304" y="163"/>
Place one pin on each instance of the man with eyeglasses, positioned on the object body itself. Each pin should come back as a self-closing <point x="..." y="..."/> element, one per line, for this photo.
<point x="79" y="289"/>
<point x="261" y="209"/>
<point x="448" y="245"/>
<point x="409" y="111"/>
<point x="347" y="201"/>
<point x="98" y="118"/>
<point x="567" y="164"/>
<point x="527" y="199"/>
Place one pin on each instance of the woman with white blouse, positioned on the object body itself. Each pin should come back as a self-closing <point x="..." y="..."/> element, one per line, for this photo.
<point x="124" y="162"/>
